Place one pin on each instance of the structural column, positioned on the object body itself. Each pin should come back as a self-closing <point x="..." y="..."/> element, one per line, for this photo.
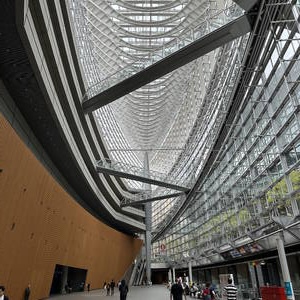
<point x="148" y="211"/>
<point x="284" y="267"/>
<point x="190" y="272"/>
<point x="170" y="275"/>
<point x="174" y="277"/>
<point x="64" y="278"/>
<point x="148" y="222"/>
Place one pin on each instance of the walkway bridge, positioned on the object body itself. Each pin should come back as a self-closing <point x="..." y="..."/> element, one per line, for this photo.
<point x="127" y="171"/>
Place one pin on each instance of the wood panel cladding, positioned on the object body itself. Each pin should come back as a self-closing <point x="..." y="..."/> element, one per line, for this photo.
<point x="41" y="226"/>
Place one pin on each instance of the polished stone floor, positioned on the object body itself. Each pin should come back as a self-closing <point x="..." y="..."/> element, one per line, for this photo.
<point x="155" y="292"/>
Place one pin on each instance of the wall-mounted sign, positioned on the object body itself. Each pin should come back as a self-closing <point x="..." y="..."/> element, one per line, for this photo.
<point x="242" y="251"/>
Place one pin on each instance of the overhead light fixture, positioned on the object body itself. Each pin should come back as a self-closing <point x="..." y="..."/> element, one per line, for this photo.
<point x="225" y="247"/>
<point x="243" y="241"/>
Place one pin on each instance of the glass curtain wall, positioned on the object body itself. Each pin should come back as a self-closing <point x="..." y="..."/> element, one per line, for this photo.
<point x="255" y="182"/>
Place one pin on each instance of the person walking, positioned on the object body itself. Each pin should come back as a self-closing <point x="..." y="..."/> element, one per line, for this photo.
<point x="206" y="294"/>
<point x="212" y="292"/>
<point x="123" y="288"/>
<point x="112" y="287"/>
<point x="108" y="289"/>
<point x="2" y="296"/>
<point x="27" y="292"/>
<point x="230" y="290"/>
<point x="177" y="291"/>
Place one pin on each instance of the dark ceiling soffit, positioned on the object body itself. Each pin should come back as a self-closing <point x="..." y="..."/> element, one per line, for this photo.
<point x="133" y="203"/>
<point x="24" y="86"/>
<point x="142" y="179"/>
<point x="267" y="254"/>
<point x="246" y="4"/>
<point x="198" y="48"/>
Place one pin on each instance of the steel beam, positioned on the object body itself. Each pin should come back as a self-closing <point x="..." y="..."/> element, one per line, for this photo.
<point x="196" y="49"/>
<point x="245" y="4"/>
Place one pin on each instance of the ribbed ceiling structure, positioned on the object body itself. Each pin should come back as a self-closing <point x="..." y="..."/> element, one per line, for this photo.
<point x="158" y="117"/>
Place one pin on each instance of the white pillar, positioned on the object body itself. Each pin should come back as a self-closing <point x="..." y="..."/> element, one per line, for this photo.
<point x="190" y="272"/>
<point x="148" y="222"/>
<point x="64" y="278"/>
<point x="284" y="267"/>
<point x="170" y="275"/>
<point x="174" y="277"/>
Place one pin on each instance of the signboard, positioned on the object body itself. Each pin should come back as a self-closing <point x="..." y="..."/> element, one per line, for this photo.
<point x="242" y="251"/>
<point x="288" y="288"/>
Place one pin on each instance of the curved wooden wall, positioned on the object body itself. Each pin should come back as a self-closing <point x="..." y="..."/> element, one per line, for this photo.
<point x="41" y="226"/>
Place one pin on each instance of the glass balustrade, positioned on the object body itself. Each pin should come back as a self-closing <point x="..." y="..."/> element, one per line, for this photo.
<point x="148" y="195"/>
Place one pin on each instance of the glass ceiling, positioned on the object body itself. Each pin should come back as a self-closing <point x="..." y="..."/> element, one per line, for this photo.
<point x="177" y="118"/>
<point x="157" y="118"/>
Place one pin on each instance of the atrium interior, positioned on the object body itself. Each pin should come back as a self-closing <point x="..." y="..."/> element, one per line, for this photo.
<point x="174" y="125"/>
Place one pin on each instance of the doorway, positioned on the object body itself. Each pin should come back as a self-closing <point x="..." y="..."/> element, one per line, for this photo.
<point x="67" y="279"/>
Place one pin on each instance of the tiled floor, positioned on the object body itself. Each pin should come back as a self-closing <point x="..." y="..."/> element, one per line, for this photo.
<point x="156" y="292"/>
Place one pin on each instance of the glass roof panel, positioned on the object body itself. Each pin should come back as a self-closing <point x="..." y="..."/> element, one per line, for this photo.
<point x="157" y="118"/>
